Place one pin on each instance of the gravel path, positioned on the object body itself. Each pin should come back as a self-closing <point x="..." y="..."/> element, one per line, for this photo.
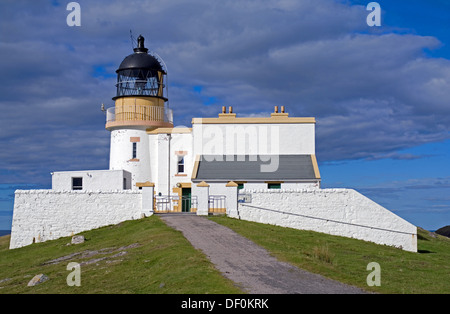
<point x="250" y="266"/>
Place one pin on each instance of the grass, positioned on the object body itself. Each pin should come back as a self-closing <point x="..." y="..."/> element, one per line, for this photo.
<point x="346" y="260"/>
<point x="160" y="261"/>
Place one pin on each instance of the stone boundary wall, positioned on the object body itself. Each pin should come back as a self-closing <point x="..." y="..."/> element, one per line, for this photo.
<point x="341" y="212"/>
<point x="41" y="215"/>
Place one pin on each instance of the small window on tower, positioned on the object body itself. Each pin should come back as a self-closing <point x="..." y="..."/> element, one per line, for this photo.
<point x="180" y="164"/>
<point x="77" y="183"/>
<point x="134" y="150"/>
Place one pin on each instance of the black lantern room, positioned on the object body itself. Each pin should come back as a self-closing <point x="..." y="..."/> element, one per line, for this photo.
<point x="141" y="74"/>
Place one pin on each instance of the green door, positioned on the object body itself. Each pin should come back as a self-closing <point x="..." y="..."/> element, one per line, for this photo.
<point x="186" y="200"/>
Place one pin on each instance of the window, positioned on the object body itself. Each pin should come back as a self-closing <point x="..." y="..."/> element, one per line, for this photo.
<point x="180" y="164"/>
<point x="134" y="150"/>
<point x="274" y="185"/>
<point x="77" y="183"/>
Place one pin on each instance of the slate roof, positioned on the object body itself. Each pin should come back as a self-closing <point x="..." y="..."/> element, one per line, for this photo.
<point x="255" y="168"/>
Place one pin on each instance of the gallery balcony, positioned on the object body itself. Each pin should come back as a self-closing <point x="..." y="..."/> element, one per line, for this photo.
<point x="144" y="116"/>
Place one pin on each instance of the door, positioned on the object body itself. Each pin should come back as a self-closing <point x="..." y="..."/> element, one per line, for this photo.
<point x="186" y="200"/>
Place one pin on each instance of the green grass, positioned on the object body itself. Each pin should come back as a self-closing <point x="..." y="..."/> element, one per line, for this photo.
<point x="346" y="260"/>
<point x="164" y="262"/>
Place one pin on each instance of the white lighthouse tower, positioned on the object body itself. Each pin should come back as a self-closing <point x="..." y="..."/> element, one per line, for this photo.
<point x="140" y="106"/>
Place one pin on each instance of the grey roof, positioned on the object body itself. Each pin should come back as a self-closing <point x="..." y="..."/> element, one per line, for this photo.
<point x="255" y="168"/>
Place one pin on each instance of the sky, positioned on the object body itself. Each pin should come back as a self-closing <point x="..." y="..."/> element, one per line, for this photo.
<point x="380" y="95"/>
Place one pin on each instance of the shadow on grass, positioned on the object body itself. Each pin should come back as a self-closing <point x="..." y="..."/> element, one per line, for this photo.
<point x="424" y="251"/>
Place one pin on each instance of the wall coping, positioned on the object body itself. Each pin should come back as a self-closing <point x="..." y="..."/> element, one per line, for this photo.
<point x="278" y="191"/>
<point x="77" y="192"/>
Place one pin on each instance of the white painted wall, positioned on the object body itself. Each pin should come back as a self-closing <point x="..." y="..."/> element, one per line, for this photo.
<point x="162" y="176"/>
<point x="202" y="193"/>
<point x="181" y="142"/>
<point x="284" y="186"/>
<point x="164" y="160"/>
<point x="154" y="167"/>
<point x="254" y="139"/>
<point x="314" y="184"/>
<point x="341" y="212"/>
<point x="46" y="214"/>
<point x="121" y="154"/>
<point x="93" y="180"/>
<point x="219" y="187"/>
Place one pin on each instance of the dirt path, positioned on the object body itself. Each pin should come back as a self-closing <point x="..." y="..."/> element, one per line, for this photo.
<point x="250" y="266"/>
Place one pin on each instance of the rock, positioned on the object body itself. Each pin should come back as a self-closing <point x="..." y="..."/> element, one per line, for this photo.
<point x="37" y="280"/>
<point x="77" y="239"/>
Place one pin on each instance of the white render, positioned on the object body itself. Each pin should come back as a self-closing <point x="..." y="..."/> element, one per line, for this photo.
<point x="254" y="139"/>
<point x="121" y="148"/>
<point x="93" y="180"/>
<point x="341" y="212"/>
<point x="219" y="188"/>
<point x="41" y="215"/>
<point x="202" y="193"/>
<point x="164" y="151"/>
<point x="249" y="185"/>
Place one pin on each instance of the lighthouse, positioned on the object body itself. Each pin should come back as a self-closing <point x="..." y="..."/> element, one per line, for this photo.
<point x="261" y="169"/>
<point x="141" y="105"/>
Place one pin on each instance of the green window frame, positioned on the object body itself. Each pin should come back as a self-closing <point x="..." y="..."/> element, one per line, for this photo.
<point x="273" y="186"/>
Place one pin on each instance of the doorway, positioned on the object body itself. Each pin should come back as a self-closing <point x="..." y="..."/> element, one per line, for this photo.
<point x="185" y="200"/>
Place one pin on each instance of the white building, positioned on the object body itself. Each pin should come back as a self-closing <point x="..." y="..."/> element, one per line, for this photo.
<point x="271" y="161"/>
<point x="267" y="152"/>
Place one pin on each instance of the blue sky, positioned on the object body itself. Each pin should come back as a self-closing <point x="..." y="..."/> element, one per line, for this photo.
<point x="415" y="186"/>
<point x="380" y="95"/>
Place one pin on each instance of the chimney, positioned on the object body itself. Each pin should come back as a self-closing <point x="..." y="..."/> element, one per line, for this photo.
<point x="279" y="113"/>
<point x="226" y="114"/>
